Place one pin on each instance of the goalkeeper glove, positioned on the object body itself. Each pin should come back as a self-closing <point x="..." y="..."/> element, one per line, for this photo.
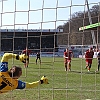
<point x="23" y="58"/>
<point x="44" y="80"/>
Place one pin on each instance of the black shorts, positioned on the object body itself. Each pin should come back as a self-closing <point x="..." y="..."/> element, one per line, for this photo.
<point x="38" y="58"/>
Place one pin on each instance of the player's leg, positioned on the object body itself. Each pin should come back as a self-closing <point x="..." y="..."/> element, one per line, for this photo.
<point x="89" y="67"/>
<point x="40" y="60"/>
<point x="27" y="62"/>
<point x="36" y="60"/>
<point x="65" y="64"/>
<point x="69" y="65"/>
<point x="98" y="65"/>
<point x="65" y="67"/>
<point x="87" y="64"/>
<point x="25" y="65"/>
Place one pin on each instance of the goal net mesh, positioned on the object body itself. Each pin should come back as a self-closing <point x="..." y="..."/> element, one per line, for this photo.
<point x="49" y="27"/>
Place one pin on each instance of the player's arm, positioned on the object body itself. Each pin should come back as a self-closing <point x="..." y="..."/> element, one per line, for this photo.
<point x="8" y="56"/>
<point x="22" y="85"/>
<point x="43" y="80"/>
<point x="64" y="56"/>
<point x="23" y="52"/>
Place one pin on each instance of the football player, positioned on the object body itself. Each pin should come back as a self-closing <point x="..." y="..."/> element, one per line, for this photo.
<point x="68" y="54"/>
<point x="9" y="78"/>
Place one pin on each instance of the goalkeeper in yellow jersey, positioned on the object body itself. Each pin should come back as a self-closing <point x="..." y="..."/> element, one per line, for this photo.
<point x="9" y="78"/>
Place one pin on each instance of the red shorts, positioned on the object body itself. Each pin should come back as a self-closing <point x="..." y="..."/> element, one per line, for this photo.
<point x="89" y="61"/>
<point x="67" y="61"/>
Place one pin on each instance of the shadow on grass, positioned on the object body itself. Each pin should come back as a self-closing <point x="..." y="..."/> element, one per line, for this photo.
<point x="42" y="67"/>
<point x="91" y="72"/>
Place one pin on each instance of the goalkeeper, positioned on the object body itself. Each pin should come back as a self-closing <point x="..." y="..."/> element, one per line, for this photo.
<point x="9" y="78"/>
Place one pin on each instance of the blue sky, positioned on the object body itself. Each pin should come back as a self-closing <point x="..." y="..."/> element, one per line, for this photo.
<point x="39" y="14"/>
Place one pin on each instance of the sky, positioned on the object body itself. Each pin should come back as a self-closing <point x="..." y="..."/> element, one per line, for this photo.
<point x="39" y="14"/>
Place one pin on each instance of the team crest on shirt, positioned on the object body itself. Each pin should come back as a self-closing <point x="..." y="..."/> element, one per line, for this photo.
<point x="23" y="85"/>
<point x="6" y="65"/>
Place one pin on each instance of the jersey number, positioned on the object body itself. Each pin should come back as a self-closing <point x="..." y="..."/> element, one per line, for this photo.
<point x="3" y="85"/>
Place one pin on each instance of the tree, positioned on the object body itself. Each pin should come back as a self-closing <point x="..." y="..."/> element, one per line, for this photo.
<point x="71" y="28"/>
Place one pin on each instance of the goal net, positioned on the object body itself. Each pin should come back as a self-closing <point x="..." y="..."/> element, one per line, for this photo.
<point x="49" y="27"/>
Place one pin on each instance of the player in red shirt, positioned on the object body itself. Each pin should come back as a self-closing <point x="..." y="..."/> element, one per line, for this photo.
<point x="67" y="59"/>
<point x="88" y="58"/>
<point x="26" y="52"/>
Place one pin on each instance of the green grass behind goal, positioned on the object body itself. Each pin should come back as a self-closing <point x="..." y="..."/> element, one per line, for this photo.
<point x="75" y="85"/>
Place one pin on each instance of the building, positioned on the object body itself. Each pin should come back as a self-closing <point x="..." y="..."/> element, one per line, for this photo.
<point x="44" y="40"/>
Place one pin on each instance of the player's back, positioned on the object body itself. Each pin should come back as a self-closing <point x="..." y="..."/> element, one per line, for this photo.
<point x="27" y="52"/>
<point x="7" y="83"/>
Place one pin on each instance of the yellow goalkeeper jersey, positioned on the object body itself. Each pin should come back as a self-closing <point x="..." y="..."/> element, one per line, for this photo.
<point x="7" y="83"/>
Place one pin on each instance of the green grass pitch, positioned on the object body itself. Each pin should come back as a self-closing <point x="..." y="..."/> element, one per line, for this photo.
<point x="79" y="84"/>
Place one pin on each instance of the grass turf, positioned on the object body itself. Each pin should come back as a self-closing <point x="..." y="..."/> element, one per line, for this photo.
<point x="79" y="84"/>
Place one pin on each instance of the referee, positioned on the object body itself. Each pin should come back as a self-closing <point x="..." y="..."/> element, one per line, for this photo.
<point x="38" y="57"/>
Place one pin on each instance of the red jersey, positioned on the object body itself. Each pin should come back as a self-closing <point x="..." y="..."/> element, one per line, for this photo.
<point x="27" y="52"/>
<point x="89" y="55"/>
<point x="68" y="55"/>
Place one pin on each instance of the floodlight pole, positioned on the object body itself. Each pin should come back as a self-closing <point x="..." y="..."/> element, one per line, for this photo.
<point x="90" y="20"/>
